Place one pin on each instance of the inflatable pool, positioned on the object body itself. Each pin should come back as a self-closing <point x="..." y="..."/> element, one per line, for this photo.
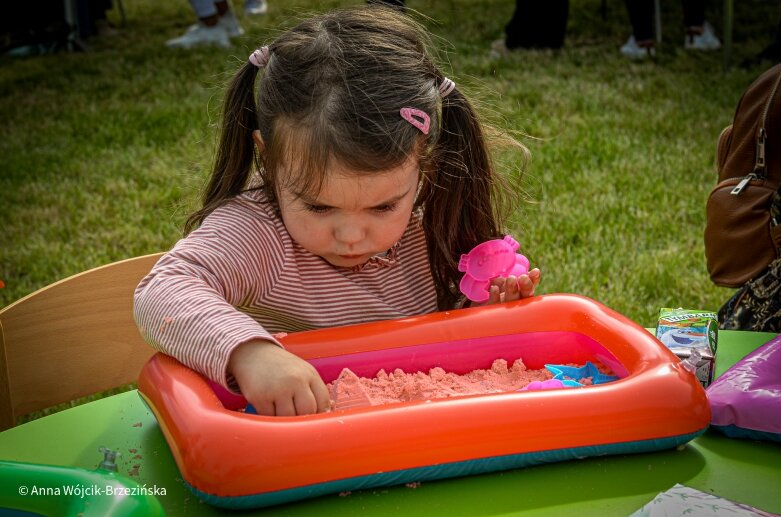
<point x="237" y="460"/>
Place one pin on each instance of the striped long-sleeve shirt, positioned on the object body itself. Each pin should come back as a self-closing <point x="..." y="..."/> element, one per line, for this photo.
<point x="240" y="277"/>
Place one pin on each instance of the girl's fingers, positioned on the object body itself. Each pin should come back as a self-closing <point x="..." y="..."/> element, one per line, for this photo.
<point x="511" y="291"/>
<point x="525" y="286"/>
<point x="284" y="406"/>
<point x="499" y="282"/>
<point x="304" y="401"/>
<point x="507" y="289"/>
<point x="494" y="295"/>
<point x="322" y="397"/>
<point x="265" y="407"/>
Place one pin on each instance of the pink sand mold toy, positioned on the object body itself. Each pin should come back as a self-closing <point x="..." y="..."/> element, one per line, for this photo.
<point x="550" y="384"/>
<point x="487" y="261"/>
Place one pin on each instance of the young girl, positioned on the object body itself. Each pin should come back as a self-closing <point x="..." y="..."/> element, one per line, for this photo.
<point x="350" y="176"/>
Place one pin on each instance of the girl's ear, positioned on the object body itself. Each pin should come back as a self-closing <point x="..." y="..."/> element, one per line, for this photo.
<point x="259" y="141"/>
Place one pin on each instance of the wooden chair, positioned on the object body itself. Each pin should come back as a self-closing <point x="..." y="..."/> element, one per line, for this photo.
<point x="73" y="338"/>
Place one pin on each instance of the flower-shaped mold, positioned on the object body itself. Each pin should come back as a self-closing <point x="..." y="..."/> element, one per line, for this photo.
<point x="487" y="261"/>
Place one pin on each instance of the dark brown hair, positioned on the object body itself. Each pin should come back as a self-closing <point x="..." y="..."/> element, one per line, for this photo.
<point x="331" y="92"/>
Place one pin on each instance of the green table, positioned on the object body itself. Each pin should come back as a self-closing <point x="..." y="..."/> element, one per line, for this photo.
<point x="741" y="470"/>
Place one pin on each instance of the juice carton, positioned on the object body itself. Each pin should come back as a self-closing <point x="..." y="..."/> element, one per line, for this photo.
<point x="693" y="337"/>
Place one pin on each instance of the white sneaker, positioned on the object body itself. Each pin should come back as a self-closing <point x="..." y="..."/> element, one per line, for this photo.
<point x="200" y="34"/>
<point x="632" y="50"/>
<point x="705" y="41"/>
<point x="230" y="24"/>
<point x="255" y="7"/>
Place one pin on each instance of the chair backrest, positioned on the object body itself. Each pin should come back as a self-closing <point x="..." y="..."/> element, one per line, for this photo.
<point x="73" y="338"/>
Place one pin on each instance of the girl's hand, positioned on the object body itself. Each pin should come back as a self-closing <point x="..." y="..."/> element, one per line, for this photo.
<point x="277" y="382"/>
<point x="507" y="289"/>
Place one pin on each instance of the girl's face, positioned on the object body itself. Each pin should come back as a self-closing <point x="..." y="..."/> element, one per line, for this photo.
<point x="354" y="216"/>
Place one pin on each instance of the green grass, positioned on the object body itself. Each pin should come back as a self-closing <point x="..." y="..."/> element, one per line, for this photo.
<point x="103" y="153"/>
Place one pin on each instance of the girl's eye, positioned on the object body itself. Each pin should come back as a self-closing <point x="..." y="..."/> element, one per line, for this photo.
<point x="385" y="208"/>
<point x="317" y="209"/>
<point x="320" y="209"/>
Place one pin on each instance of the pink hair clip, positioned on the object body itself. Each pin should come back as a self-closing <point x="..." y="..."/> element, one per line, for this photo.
<point x="445" y="87"/>
<point x="260" y="57"/>
<point x="417" y="118"/>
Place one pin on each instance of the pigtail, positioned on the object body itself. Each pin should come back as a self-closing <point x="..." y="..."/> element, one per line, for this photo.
<point x="461" y="195"/>
<point x="236" y="155"/>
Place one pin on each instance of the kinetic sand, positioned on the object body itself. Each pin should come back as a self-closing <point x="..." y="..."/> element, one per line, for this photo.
<point x="349" y="390"/>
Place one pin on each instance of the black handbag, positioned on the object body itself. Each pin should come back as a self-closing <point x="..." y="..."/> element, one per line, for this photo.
<point x="757" y="304"/>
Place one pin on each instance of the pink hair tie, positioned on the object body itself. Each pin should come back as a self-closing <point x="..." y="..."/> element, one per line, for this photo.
<point x="260" y="57"/>
<point x="445" y="87"/>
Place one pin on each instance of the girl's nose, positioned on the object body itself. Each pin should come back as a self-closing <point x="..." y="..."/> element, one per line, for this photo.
<point x="350" y="232"/>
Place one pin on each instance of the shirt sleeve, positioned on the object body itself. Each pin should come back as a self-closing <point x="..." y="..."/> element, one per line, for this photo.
<point x="187" y="306"/>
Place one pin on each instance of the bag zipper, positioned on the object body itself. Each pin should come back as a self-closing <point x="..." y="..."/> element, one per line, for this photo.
<point x="742" y="184"/>
<point x="759" y="153"/>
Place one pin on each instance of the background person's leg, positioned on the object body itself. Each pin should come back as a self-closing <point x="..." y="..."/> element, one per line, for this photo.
<point x="537" y="24"/>
<point x="641" y="43"/>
